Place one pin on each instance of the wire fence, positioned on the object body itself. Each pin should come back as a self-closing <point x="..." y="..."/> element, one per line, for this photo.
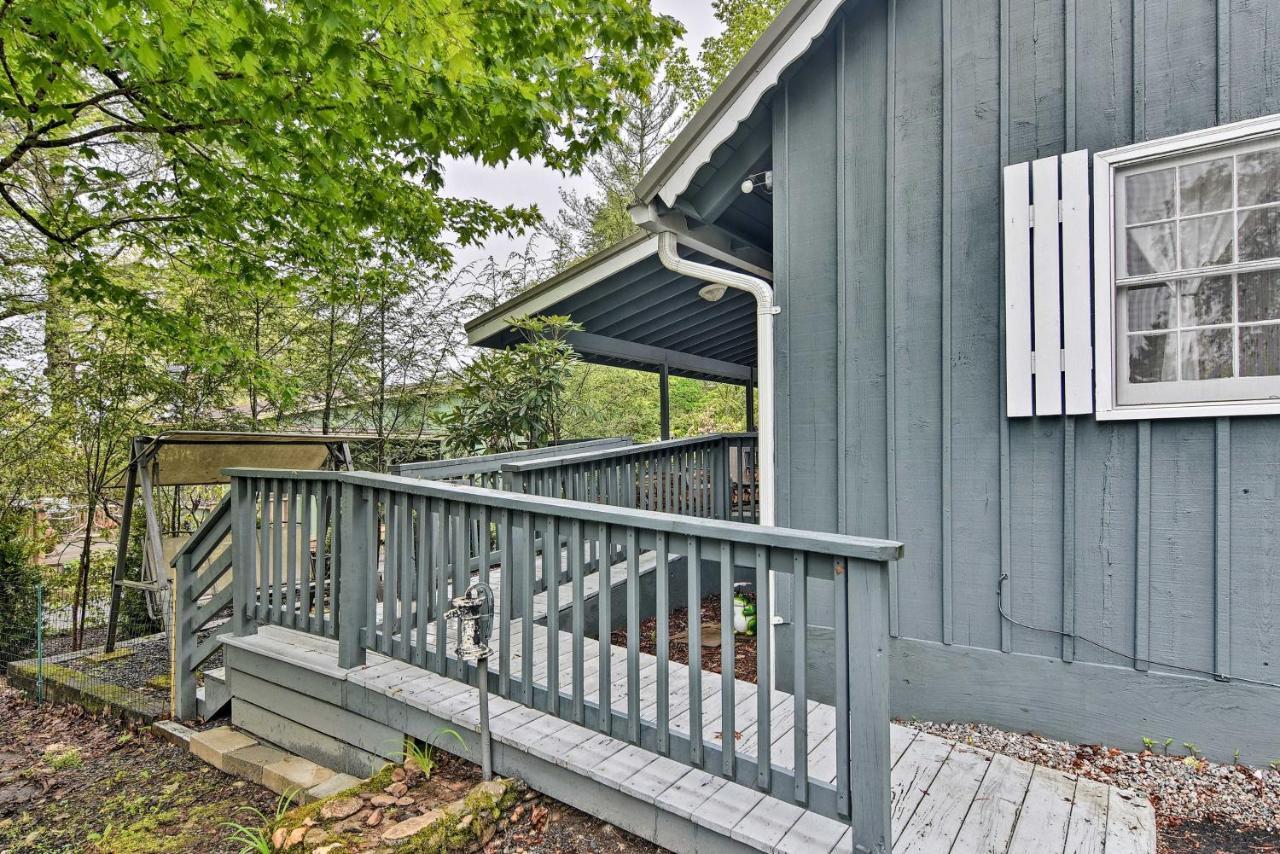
<point x="54" y="648"/>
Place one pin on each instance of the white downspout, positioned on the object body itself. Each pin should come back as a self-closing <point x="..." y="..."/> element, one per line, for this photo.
<point x="765" y="310"/>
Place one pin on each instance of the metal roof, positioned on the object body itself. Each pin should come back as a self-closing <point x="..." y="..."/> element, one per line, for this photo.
<point x="636" y="313"/>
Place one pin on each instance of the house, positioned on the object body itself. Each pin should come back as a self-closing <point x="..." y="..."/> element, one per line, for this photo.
<point x="1004" y="274"/>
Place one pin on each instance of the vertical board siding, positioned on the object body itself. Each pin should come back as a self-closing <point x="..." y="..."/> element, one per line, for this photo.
<point x="1158" y="540"/>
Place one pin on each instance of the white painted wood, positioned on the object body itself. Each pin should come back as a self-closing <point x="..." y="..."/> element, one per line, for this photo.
<point x="1046" y="282"/>
<point x="1017" y="289"/>
<point x="1076" y="284"/>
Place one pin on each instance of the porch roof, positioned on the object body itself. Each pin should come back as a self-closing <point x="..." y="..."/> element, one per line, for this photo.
<point x="637" y="314"/>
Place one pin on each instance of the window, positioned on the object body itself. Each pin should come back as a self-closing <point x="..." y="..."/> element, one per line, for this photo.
<point x="1189" y="274"/>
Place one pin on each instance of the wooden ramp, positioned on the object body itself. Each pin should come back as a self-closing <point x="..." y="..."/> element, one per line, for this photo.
<point x="946" y="797"/>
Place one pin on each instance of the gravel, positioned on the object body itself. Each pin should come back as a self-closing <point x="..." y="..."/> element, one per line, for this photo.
<point x="1183" y="789"/>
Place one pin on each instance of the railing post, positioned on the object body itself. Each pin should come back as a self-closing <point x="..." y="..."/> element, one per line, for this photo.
<point x="185" y="705"/>
<point x="868" y="686"/>
<point x="353" y="589"/>
<point x="244" y="557"/>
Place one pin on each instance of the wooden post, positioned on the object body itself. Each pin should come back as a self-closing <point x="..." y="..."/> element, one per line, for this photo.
<point x="664" y="399"/>
<point x="183" y="693"/>
<point x="354" y="562"/>
<point x="868" y="704"/>
<point x="244" y="557"/>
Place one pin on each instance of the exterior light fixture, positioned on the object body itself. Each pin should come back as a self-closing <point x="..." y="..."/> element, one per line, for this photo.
<point x="712" y="292"/>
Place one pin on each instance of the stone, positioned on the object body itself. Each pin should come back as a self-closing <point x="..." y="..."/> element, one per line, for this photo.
<point x="493" y="788"/>
<point x="466" y="821"/>
<point x="403" y="830"/>
<point x="277" y="838"/>
<point x="295" y="837"/>
<point x="173" y="732"/>
<point x="398" y="775"/>
<point x="406" y="801"/>
<point x="293" y="775"/>
<point x="213" y="745"/>
<point x="248" y="762"/>
<point x="315" y="836"/>
<point x="382" y="801"/>
<point x="335" y="785"/>
<point x="412" y="770"/>
<point x="398" y="790"/>
<point x="330" y="849"/>
<point x="374" y="819"/>
<point x="341" y="808"/>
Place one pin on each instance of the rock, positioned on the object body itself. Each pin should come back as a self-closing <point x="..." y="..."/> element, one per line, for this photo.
<point x="351" y="825"/>
<point x="489" y="833"/>
<point x="277" y="838"/>
<point x="530" y="795"/>
<point x="466" y="821"/>
<point x="406" y="801"/>
<point x="374" y="819"/>
<point x="330" y="849"/>
<point x="295" y="837"/>
<point x="398" y="775"/>
<point x="315" y="837"/>
<point x="493" y="788"/>
<point x="403" y="830"/>
<point x="368" y="796"/>
<point x="341" y="808"/>
<point x="383" y="800"/>
<point x="398" y="790"/>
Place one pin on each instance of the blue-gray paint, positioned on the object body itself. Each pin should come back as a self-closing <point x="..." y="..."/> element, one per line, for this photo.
<point x="1158" y="540"/>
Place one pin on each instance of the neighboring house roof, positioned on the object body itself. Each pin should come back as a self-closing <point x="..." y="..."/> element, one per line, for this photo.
<point x="786" y="40"/>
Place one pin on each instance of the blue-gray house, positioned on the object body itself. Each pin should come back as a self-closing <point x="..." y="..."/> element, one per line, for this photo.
<point x="1006" y="275"/>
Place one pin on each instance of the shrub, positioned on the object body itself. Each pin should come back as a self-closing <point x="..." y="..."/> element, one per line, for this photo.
<point x="19" y="578"/>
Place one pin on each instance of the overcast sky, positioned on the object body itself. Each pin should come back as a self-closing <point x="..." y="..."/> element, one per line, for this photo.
<point x="526" y="183"/>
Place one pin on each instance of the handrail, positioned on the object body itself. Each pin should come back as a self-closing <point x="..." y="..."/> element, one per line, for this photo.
<point x="487" y="463"/>
<point x="199" y="568"/>
<point x="843" y="545"/>
<point x="404" y="547"/>
<point x="208" y="527"/>
<point x="627" y="451"/>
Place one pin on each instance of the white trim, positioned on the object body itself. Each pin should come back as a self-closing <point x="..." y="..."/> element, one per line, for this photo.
<point x="572" y="284"/>
<point x="1105" y="166"/>
<point x="739" y="108"/>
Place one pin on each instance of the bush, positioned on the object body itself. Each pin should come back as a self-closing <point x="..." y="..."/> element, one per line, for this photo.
<point x="19" y="578"/>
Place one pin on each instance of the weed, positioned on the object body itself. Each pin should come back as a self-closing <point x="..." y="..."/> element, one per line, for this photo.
<point x="1191" y="748"/>
<point x="62" y="756"/>
<point x="1167" y="742"/>
<point x="253" y="840"/>
<point x="424" y="756"/>
<point x="1149" y="744"/>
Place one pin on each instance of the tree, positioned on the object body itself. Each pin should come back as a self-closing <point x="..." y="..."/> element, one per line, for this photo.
<point x="743" y="21"/>
<point x="508" y="399"/>
<point x="293" y="137"/>
<point x="593" y="221"/>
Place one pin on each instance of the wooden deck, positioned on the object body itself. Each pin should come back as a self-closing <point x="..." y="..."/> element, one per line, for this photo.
<point x="946" y="797"/>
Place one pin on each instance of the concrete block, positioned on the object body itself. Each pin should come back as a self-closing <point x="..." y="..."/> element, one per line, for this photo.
<point x="173" y="732"/>
<point x="336" y="784"/>
<point x="248" y="762"/>
<point x="214" y="744"/>
<point x="294" y="776"/>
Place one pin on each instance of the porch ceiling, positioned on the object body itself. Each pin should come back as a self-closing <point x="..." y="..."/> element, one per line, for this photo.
<point x="637" y="314"/>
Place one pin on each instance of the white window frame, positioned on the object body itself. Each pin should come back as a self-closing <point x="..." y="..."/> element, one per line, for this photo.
<point x="1106" y="316"/>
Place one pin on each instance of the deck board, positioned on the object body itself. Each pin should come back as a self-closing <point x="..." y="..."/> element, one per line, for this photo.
<point x="945" y="797"/>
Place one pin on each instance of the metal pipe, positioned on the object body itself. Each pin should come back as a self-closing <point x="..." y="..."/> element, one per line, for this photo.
<point x="765" y="311"/>
<point x="486" y="758"/>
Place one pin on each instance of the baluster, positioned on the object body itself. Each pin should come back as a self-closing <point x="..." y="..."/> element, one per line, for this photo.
<point x="290" y="569"/>
<point x="422" y="591"/>
<point x="633" y="638"/>
<point x="304" y="557"/>
<point x="244" y="561"/>
<point x="390" y="571"/>
<point x="440" y="509"/>
<point x="461" y="573"/>
<point x="526" y="607"/>
<point x="262" y="583"/>
<point x="841" y="595"/>
<point x="506" y="583"/>
<point x="276" y="612"/>
<point x="579" y="617"/>
<point x="695" y="651"/>
<point x="408" y="578"/>
<point x="764" y="678"/>
<point x="319" y="622"/>
<point x="551" y="568"/>
<point x="486" y="554"/>
<point x="728" y="743"/>
<point x="662" y="604"/>
<point x="605" y="628"/>
<point x="799" y="669"/>
<point x="372" y="529"/>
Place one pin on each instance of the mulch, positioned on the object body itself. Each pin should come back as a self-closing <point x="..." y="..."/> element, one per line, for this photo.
<point x="744" y="646"/>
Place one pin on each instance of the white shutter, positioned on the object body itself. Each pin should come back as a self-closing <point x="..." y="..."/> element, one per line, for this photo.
<point x="1048" y="354"/>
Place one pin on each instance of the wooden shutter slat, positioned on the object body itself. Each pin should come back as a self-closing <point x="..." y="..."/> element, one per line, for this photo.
<point x="1017" y="289"/>
<point x="1076" y="285"/>
<point x="1046" y="286"/>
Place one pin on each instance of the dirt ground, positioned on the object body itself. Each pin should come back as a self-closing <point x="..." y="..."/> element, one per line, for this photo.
<point x="744" y="646"/>
<point x="72" y="782"/>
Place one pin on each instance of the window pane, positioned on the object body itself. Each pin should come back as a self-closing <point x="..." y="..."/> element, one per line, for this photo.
<point x="1206" y="241"/>
<point x="1150" y="249"/>
<point x="1260" y="177"/>
<point x="1206" y="354"/>
<point x="1149" y="196"/>
<point x="1260" y="351"/>
<point x="1153" y="358"/>
<point x="1205" y="186"/>
<point x="1150" y="307"/>
<point x="1259" y="234"/>
<point x="1205" y="301"/>
<point x="1260" y="296"/>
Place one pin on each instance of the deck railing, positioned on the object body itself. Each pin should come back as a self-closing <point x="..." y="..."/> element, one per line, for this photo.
<point x="202" y="592"/>
<point x="402" y="547"/>
<point x="486" y="469"/>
